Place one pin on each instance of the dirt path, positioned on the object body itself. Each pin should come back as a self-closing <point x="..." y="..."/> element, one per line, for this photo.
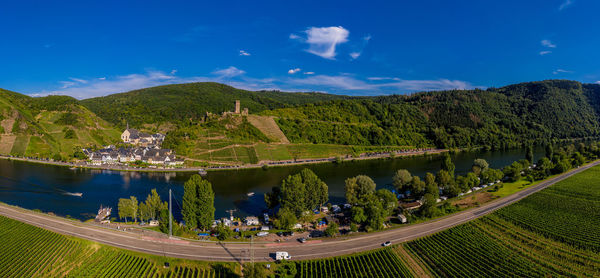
<point x="412" y="264"/>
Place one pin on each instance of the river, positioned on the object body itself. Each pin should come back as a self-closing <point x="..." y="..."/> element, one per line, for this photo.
<point x="47" y="187"/>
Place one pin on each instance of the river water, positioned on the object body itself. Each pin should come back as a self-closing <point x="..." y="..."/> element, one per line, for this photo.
<point x="47" y="187"/>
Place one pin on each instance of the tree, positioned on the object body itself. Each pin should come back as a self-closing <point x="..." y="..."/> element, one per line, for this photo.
<point x="155" y="205"/>
<point x="358" y="187"/>
<point x="417" y="187"/>
<point x="578" y="159"/>
<point x="479" y="165"/>
<point x="513" y="171"/>
<point x="388" y="200"/>
<point x="205" y="203"/>
<point x="144" y="211"/>
<point x="293" y="193"/>
<point x="549" y="151"/>
<point x="401" y="179"/>
<point x="544" y="165"/>
<point x="198" y="208"/>
<point x="447" y="164"/>
<point x="428" y="208"/>
<point x="272" y="198"/>
<point x="286" y="219"/>
<point x="529" y="154"/>
<point x="317" y="190"/>
<point x="358" y="215"/>
<point x="332" y="229"/>
<point x="223" y="232"/>
<point x="133" y="208"/>
<point x="286" y="270"/>
<point x="189" y="209"/>
<point x="491" y="175"/>
<point x="431" y="186"/>
<point x="444" y="179"/>
<point x="124" y="208"/>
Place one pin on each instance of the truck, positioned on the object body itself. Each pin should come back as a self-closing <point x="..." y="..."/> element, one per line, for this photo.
<point x="282" y="256"/>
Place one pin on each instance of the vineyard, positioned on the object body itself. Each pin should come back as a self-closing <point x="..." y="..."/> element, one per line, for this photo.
<point x="379" y="263"/>
<point x="28" y="251"/>
<point x="551" y="233"/>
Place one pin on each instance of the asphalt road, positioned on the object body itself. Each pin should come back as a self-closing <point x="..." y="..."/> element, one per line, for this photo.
<point x="213" y="251"/>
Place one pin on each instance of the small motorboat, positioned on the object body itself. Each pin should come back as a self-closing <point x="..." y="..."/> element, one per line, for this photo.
<point x="250" y="194"/>
<point x="202" y="172"/>
<point x="76" y="194"/>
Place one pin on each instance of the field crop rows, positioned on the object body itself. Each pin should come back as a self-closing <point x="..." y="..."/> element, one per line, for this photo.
<point x="380" y="263"/>
<point x="569" y="211"/>
<point x="548" y="234"/>
<point x="28" y="251"/>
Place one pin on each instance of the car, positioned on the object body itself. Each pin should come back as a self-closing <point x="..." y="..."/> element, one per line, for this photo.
<point x="302" y="240"/>
<point x="387" y="243"/>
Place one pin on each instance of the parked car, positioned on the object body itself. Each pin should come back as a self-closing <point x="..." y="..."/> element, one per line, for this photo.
<point x="302" y="240"/>
<point x="387" y="243"/>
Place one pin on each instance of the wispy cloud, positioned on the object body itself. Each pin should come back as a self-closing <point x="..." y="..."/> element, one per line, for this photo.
<point x="565" y="4"/>
<point x="229" y="72"/>
<point x="396" y="85"/>
<point x="309" y="72"/>
<point x="355" y="55"/>
<point x="244" y="53"/>
<point x="323" y="41"/>
<point x="548" y="43"/>
<point x="545" y="52"/>
<point x="558" y="71"/>
<point x="365" y="40"/>
<point x="173" y="72"/>
<point x="293" y="71"/>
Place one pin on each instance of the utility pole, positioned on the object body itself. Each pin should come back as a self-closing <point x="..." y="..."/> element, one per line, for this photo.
<point x="170" y="216"/>
<point x="231" y="211"/>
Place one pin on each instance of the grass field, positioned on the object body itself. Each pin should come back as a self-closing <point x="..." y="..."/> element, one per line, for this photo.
<point x="28" y="251"/>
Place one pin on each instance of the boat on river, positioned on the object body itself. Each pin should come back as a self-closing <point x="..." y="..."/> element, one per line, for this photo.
<point x="250" y="194"/>
<point x="76" y="194"/>
<point x="202" y="172"/>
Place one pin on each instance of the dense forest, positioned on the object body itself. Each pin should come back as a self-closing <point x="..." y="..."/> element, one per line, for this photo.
<point x="534" y="112"/>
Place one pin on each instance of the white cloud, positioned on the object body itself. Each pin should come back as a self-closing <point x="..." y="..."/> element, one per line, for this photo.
<point x="561" y="71"/>
<point x="309" y="72"/>
<point x="565" y="4"/>
<point x="548" y="43"/>
<point x="322" y="41"/>
<point x="244" y="53"/>
<point x="367" y="38"/>
<point x="102" y="78"/>
<point x="173" y="72"/>
<point x="345" y="82"/>
<point x="545" y="52"/>
<point x="292" y="71"/>
<point x="355" y="55"/>
<point x="229" y="72"/>
<point x="597" y="82"/>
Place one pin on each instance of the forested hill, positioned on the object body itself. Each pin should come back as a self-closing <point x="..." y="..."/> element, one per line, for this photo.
<point x="173" y="103"/>
<point x="496" y="117"/>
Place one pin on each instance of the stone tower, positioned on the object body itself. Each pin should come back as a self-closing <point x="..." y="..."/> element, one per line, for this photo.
<point x="237" y="107"/>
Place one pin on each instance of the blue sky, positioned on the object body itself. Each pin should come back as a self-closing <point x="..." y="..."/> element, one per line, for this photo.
<point x="93" y="48"/>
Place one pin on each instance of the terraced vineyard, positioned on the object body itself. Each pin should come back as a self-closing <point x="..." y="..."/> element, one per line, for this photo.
<point x="28" y="251"/>
<point x="380" y="263"/>
<point x="548" y="234"/>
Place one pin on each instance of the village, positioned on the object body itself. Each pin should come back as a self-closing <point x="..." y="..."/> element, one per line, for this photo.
<point x="140" y="149"/>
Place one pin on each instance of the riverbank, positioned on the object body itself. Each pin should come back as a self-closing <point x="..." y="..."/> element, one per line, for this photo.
<point x="262" y="164"/>
<point x="230" y="251"/>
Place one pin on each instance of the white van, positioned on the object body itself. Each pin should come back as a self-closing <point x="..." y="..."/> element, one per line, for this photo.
<point x="282" y="256"/>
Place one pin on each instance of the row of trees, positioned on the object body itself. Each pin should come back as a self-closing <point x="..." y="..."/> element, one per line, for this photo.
<point x="148" y="210"/>
<point x="370" y="207"/>
<point x="198" y="205"/>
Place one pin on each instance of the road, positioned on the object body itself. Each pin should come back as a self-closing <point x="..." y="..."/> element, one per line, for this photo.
<point x="214" y="251"/>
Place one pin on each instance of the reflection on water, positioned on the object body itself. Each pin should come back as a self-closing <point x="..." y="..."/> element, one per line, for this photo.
<point x="44" y="187"/>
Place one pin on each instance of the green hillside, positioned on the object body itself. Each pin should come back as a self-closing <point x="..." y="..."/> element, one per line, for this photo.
<point x="182" y="102"/>
<point x="49" y="126"/>
<point x="495" y="118"/>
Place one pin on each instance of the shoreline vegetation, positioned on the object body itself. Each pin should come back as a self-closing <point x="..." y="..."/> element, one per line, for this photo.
<point x="263" y="164"/>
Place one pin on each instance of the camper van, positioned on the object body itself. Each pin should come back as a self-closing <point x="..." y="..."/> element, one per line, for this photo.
<point x="282" y="256"/>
